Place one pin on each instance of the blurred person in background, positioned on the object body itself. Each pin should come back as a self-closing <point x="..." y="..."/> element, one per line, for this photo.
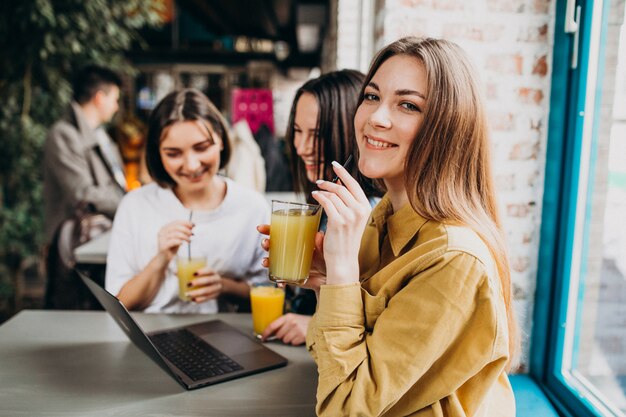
<point x="83" y="183"/>
<point x="187" y="144"/>
<point x="320" y="130"/>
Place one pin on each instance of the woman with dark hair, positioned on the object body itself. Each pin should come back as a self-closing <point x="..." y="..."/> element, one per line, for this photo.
<point x="187" y="143"/>
<point x="320" y="130"/>
<point x="415" y="312"/>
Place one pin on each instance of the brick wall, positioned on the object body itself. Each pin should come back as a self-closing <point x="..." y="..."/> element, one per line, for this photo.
<point x="510" y="42"/>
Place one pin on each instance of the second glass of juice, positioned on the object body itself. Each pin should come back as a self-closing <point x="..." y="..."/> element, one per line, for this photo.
<point x="186" y="267"/>
<point x="266" y="302"/>
<point x="292" y="240"/>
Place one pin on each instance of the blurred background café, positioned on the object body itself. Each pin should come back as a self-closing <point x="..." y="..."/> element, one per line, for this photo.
<point x="554" y="74"/>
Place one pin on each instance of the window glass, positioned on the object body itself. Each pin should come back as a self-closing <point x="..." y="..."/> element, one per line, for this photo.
<point x="594" y="356"/>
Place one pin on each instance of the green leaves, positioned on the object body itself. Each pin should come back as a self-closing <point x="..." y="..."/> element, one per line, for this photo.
<point x="42" y="43"/>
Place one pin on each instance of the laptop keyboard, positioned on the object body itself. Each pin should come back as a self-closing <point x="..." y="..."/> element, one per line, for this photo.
<point x="192" y="355"/>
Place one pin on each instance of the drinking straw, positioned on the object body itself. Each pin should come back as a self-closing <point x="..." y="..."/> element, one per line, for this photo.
<point x="345" y="165"/>
<point x="189" y="244"/>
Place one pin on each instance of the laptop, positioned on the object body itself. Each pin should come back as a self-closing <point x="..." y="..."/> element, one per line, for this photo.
<point x="195" y="355"/>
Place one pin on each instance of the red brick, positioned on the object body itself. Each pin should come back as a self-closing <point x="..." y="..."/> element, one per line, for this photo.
<point x="517" y="6"/>
<point x="483" y="33"/>
<point x="505" y="182"/>
<point x="449" y="5"/>
<point x="415" y="3"/>
<point x="541" y="66"/>
<point x="527" y="238"/>
<point x="520" y="263"/>
<point x="502" y="121"/>
<point x="533" y="34"/>
<point x="518" y="210"/>
<point x="506" y="64"/>
<point x="530" y="95"/>
<point x="524" y="151"/>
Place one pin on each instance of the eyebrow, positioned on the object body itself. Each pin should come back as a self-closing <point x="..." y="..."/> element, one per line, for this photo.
<point x="401" y="92"/>
<point x="210" y="140"/>
<point x="296" y="125"/>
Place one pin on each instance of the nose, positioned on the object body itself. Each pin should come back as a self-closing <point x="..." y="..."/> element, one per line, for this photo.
<point x="305" y="145"/>
<point x="191" y="163"/>
<point x="380" y="117"/>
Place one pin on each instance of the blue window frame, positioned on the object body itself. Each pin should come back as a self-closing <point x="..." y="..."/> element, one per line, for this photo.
<point x="563" y="280"/>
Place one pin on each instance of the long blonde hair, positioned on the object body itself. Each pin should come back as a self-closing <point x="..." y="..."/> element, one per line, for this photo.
<point x="448" y="174"/>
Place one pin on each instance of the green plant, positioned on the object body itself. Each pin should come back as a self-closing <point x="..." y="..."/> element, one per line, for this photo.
<point x="42" y="43"/>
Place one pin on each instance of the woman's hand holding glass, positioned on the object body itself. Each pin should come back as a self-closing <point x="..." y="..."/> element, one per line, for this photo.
<point x="207" y="284"/>
<point x="317" y="273"/>
<point x="171" y="236"/>
<point x="348" y="211"/>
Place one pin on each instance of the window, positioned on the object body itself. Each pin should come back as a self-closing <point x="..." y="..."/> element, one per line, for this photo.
<point x="581" y="295"/>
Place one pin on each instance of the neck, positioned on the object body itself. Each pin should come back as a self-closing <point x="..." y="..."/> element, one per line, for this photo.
<point x="91" y="115"/>
<point x="397" y="194"/>
<point x="205" y="198"/>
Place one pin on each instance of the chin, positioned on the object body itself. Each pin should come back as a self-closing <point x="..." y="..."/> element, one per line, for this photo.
<point x="370" y="170"/>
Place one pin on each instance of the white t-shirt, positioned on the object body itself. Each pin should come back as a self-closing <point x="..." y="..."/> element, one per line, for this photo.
<point x="226" y="235"/>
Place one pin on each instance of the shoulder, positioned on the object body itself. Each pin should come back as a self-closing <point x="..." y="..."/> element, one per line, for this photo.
<point x="146" y="195"/>
<point x="441" y="242"/>
<point x="62" y="130"/>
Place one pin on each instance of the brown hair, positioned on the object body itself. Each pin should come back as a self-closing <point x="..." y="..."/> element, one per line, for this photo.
<point x="337" y="96"/>
<point x="181" y="106"/>
<point x="447" y="172"/>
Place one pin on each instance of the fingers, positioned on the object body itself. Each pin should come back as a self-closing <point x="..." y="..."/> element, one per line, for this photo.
<point x="293" y="329"/>
<point x="273" y="327"/>
<point x="319" y="242"/>
<point x="263" y="229"/>
<point x="350" y="183"/>
<point x="205" y="287"/>
<point x="265" y="244"/>
<point x="174" y="234"/>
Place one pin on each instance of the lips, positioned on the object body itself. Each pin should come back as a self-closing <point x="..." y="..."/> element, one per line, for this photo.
<point x="377" y="143"/>
<point x="195" y="176"/>
<point x="311" y="165"/>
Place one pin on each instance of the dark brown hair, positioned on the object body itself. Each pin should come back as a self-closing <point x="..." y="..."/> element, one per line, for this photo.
<point x="337" y="95"/>
<point x="181" y="106"/>
<point x="91" y="79"/>
<point x="447" y="173"/>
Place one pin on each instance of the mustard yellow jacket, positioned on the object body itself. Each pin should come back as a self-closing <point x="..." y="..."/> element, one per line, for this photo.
<point x="423" y="334"/>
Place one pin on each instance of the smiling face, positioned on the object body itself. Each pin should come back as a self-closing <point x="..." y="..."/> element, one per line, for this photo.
<point x="388" y="119"/>
<point x="305" y="136"/>
<point x="190" y="152"/>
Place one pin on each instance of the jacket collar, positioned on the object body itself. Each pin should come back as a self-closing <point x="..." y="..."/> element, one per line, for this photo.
<point x="77" y="118"/>
<point x="402" y="225"/>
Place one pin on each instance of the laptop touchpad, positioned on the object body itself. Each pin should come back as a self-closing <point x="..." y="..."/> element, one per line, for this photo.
<point x="229" y="343"/>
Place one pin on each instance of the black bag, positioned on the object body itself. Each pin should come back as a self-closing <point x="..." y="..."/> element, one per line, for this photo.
<point x="64" y="289"/>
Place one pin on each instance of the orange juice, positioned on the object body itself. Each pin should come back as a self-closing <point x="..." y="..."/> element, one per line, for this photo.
<point x="267" y="305"/>
<point x="292" y="240"/>
<point x="186" y="268"/>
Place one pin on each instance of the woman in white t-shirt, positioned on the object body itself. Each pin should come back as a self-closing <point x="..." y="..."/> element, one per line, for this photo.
<point x="187" y="144"/>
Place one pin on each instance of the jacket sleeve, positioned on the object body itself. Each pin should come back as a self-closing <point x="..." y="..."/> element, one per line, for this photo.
<point x="66" y="160"/>
<point x="433" y="335"/>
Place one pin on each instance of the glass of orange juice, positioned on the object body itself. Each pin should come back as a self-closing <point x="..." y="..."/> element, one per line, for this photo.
<point x="292" y="240"/>
<point x="267" y="302"/>
<point x="186" y="267"/>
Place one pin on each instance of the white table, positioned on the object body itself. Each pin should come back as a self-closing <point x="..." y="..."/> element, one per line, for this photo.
<point x="79" y="363"/>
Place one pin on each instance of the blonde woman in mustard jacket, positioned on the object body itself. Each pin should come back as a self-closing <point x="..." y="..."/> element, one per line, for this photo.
<point x="414" y="311"/>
